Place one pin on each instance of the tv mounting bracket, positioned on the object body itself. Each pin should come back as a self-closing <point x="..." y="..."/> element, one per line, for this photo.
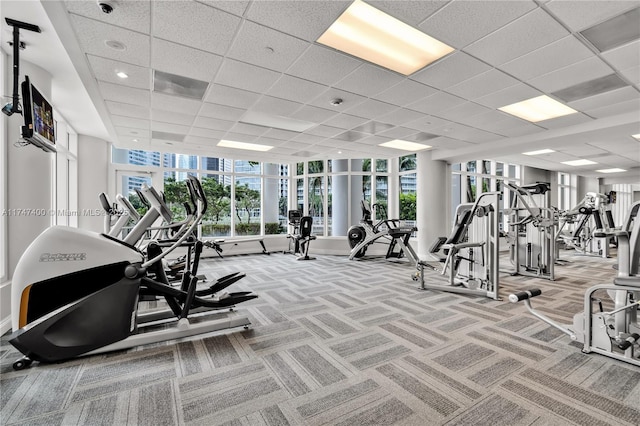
<point x="12" y="108"/>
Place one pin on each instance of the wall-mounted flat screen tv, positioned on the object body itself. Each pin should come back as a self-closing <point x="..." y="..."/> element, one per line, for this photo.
<point x="39" y="125"/>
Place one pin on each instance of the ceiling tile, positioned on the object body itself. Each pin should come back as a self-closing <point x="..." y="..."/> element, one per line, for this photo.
<point x="313" y="114"/>
<point x="304" y="19"/>
<point x="528" y="33"/>
<point x="236" y="7"/>
<point x="573" y="74"/>
<point x="284" y="135"/>
<point x="465" y="110"/>
<point x="224" y="95"/>
<point x="171" y="117"/>
<point x="410" y="12"/>
<point x="521" y="130"/>
<point x="494" y="121"/>
<point x="248" y="129"/>
<point x="276" y="106"/>
<point x="174" y="103"/>
<point x="583" y="151"/>
<point x="307" y="138"/>
<point x="135" y="123"/>
<point x="265" y="47"/>
<point x="632" y="74"/>
<point x="448" y="143"/>
<point x="240" y="137"/>
<point x="426" y="123"/>
<point x="615" y="109"/>
<point x="368" y="80"/>
<point x="450" y="70"/>
<point x="346" y="121"/>
<point x="128" y="110"/>
<point x="371" y="108"/>
<point x="405" y="92"/>
<point x="106" y="69"/>
<point x="132" y="15"/>
<point x="436" y="103"/>
<point x="400" y="116"/>
<point x="508" y="96"/>
<point x="194" y="24"/>
<point x="323" y="65"/>
<point x="131" y="133"/>
<point x="551" y="57"/>
<point x="624" y="57"/>
<point x="169" y="128"/>
<point x="604" y="99"/>
<point x="221" y="112"/>
<point x="325" y="131"/>
<point x="296" y="89"/>
<point x="567" y="120"/>
<point x="462" y="22"/>
<point x="244" y="76"/>
<point x="483" y="84"/>
<point x="324" y="100"/>
<point x="185" y="61"/>
<point x="119" y="93"/>
<point x="579" y="15"/>
<point x="213" y="124"/>
<point x="398" y="133"/>
<point x="92" y="36"/>
<point x="207" y="139"/>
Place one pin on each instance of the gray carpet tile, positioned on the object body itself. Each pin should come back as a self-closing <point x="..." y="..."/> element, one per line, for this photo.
<point x="338" y="342"/>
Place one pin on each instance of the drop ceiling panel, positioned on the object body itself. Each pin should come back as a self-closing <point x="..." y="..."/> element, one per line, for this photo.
<point x="410" y="12"/>
<point x="426" y="123"/>
<point x="632" y="74"/>
<point x="623" y="57"/>
<point x="131" y="133"/>
<point x="615" y="109"/>
<point x="579" y="15"/>
<point x="400" y="116"/>
<point x="405" y="92"/>
<point x="521" y="130"/>
<point x="119" y="93"/>
<point x="175" y="129"/>
<point x="620" y="147"/>
<point x="323" y="65"/>
<point x="231" y="96"/>
<point x="325" y="131"/>
<point x="205" y="133"/>
<point x="313" y="114"/>
<point x="182" y="60"/>
<point x="202" y="140"/>
<point x="554" y="56"/>
<point x="368" y="80"/>
<point x="583" y="151"/>
<point x="248" y="129"/>
<point x="135" y="123"/>
<point x="213" y="124"/>
<point x="462" y="111"/>
<point x="462" y="22"/>
<point x="373" y="140"/>
<point x="236" y="7"/>
<point x="284" y="135"/>
<point x="348" y="100"/>
<point x="194" y="24"/>
<point x="483" y="84"/>
<point x="265" y="47"/>
<point x="568" y="76"/>
<point x="296" y="89"/>
<point x="450" y="70"/>
<point x="567" y="120"/>
<point x="174" y="103"/>
<point x="304" y="19"/>
<point x="508" y="96"/>
<point x="221" y="112"/>
<point x="371" y="108"/>
<point x="448" y="143"/>
<point x="133" y="15"/>
<point x="398" y="133"/>
<point x="526" y="34"/>
<point x="241" y="137"/>
<point x="309" y="139"/>
<point x="128" y="110"/>
<point x="244" y="76"/>
<point x="106" y="69"/>
<point x="435" y="103"/>
<point x="92" y="36"/>
<point x="346" y="121"/>
<point x="618" y="161"/>
<point x="605" y="99"/>
<point x="276" y="106"/>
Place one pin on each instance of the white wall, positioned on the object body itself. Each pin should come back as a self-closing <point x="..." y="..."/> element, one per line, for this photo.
<point x="93" y="176"/>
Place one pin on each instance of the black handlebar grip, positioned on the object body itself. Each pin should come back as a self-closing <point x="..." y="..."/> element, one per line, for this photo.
<point x="522" y="295"/>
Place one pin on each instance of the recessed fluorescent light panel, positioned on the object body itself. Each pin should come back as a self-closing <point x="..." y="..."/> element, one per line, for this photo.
<point x="404" y="145"/>
<point x="590" y="88"/>
<point x="614" y="32"/>
<point x="177" y="85"/>
<point x="370" y="34"/>
<point x="538" y="109"/>
<point x="616" y="170"/>
<point x="636" y="136"/>
<point x="579" y="162"/>
<point x="244" y="145"/>
<point x="276" y="121"/>
<point x="539" y="152"/>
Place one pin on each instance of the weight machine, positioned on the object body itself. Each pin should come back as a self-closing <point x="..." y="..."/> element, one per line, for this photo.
<point x="470" y="254"/>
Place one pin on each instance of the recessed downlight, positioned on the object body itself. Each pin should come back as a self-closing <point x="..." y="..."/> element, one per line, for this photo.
<point x="614" y="170"/>
<point x="115" y="45"/>
<point x="122" y="75"/>
<point x="539" y="152"/>
<point x="581" y="162"/>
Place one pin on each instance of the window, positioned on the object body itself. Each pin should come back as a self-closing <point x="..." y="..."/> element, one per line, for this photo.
<point x="135" y="157"/>
<point x="217" y="220"/>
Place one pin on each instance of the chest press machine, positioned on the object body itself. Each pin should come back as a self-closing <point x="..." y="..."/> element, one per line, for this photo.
<point x="614" y="333"/>
<point x="469" y="256"/>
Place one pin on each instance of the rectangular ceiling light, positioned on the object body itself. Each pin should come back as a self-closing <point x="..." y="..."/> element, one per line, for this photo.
<point x="579" y="162"/>
<point x="404" y="145"/>
<point x="370" y="34"/>
<point x="616" y="170"/>
<point x="614" y="32"/>
<point x="538" y="109"/>
<point x="636" y="136"/>
<point x="539" y="152"/>
<point x="276" y="121"/>
<point x="244" y="145"/>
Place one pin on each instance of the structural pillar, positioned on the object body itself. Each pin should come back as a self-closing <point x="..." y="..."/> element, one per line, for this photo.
<point x="433" y="191"/>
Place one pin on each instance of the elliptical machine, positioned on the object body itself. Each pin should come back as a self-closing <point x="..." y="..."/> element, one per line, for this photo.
<point x="76" y="292"/>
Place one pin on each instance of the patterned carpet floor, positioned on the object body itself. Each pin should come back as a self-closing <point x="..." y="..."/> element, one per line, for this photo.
<point x="339" y="342"/>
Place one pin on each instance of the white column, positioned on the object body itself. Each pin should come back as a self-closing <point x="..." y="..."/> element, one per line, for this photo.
<point x="356" y="192"/>
<point x="432" y="200"/>
<point x="339" y="198"/>
<point x="271" y="193"/>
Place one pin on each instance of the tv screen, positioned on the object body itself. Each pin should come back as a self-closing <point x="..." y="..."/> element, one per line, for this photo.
<point x="39" y="127"/>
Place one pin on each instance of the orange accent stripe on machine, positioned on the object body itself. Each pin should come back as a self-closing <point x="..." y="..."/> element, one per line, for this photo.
<point x="24" y="304"/>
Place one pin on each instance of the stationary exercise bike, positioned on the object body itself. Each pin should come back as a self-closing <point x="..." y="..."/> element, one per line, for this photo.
<point x="76" y="292"/>
<point x="615" y="332"/>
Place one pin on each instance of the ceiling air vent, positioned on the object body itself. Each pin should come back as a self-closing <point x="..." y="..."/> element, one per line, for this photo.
<point x="614" y="32"/>
<point x="177" y="85"/>
<point x="165" y="136"/>
<point x="590" y="88"/>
